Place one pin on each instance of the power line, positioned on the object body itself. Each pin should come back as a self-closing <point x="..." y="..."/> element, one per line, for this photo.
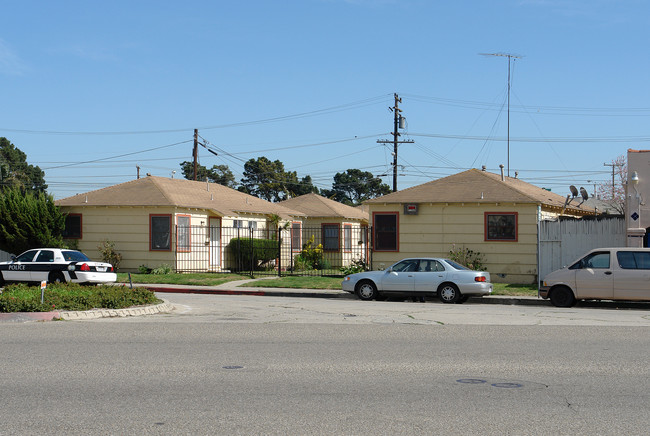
<point x="113" y="157"/>
<point x="325" y="111"/>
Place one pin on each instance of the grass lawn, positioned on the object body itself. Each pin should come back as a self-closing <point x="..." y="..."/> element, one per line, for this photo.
<point x="199" y="279"/>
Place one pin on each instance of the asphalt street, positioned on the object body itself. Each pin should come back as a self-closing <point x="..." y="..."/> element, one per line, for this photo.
<point x="256" y="364"/>
<point x="197" y="375"/>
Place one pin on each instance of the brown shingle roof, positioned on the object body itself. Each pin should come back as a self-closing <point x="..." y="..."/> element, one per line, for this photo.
<point x="317" y="206"/>
<point x="161" y="191"/>
<point x="475" y="186"/>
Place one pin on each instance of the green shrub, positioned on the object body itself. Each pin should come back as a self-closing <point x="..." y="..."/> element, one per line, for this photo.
<point x="143" y="269"/>
<point x="107" y="250"/>
<point x="311" y="257"/>
<point x="72" y="296"/>
<point x="163" y="269"/>
<point x="356" y="266"/>
<point x="469" y="258"/>
<point x="255" y="253"/>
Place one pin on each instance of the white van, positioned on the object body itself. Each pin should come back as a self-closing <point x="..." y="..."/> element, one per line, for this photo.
<point x="601" y="274"/>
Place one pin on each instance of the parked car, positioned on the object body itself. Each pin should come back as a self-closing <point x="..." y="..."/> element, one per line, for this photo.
<point x="453" y="283"/>
<point x="601" y="274"/>
<point x="55" y="265"/>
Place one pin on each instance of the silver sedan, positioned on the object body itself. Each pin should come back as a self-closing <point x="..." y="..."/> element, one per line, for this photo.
<point x="450" y="281"/>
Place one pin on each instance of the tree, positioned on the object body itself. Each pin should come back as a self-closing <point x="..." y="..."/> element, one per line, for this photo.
<point x="614" y="194"/>
<point x="220" y="174"/>
<point x="269" y="181"/>
<point x="29" y="220"/>
<point x="15" y="171"/>
<point x="355" y="186"/>
<point x="302" y="187"/>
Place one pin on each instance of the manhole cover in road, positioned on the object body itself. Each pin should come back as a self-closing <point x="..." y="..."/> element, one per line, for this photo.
<point x="471" y="381"/>
<point x="507" y="385"/>
<point x="232" y="367"/>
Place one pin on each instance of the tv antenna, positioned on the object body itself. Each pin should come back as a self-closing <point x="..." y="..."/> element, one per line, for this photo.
<point x="509" y="56"/>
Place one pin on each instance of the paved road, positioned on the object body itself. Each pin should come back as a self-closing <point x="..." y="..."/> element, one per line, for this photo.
<point x="200" y="375"/>
<point x="234" y="364"/>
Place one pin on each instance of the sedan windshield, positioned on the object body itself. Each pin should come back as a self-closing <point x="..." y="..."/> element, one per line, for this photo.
<point x="456" y="265"/>
<point x="75" y="256"/>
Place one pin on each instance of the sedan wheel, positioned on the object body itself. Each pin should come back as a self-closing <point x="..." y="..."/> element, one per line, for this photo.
<point x="56" y="277"/>
<point x="366" y="291"/>
<point x="449" y="293"/>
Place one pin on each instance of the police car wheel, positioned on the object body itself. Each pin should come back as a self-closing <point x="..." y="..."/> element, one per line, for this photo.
<point x="2" y="280"/>
<point x="56" y="277"/>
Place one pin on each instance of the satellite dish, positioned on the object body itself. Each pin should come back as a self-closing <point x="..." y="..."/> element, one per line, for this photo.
<point x="574" y="191"/>
<point x="584" y="193"/>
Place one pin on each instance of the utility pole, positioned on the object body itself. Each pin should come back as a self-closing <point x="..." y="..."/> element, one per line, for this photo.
<point x="398" y="123"/>
<point x="613" y="165"/>
<point x="509" y="56"/>
<point x="196" y="150"/>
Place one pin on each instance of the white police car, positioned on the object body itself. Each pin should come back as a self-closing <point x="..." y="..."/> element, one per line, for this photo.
<point x="55" y="265"/>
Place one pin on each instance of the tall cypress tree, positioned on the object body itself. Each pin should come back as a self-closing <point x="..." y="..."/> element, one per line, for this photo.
<point x="29" y="220"/>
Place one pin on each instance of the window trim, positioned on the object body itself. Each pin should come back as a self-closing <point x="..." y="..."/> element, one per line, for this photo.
<point x="486" y="233"/>
<point x="347" y="240"/>
<point x="374" y="232"/>
<point x="188" y="248"/>
<point x="81" y="232"/>
<point x="298" y="248"/>
<point x="158" y="215"/>
<point x="338" y="237"/>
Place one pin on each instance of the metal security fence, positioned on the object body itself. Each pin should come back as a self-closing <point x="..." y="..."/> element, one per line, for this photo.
<point x="291" y="250"/>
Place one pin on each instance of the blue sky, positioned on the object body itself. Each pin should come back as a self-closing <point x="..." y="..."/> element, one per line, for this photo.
<point x="92" y="89"/>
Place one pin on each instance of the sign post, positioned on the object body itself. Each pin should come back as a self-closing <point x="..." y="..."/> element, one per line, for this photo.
<point x="43" y="286"/>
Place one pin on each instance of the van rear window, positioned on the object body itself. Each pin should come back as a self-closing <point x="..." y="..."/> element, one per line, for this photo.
<point x="633" y="259"/>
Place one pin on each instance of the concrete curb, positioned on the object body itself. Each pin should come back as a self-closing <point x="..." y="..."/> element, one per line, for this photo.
<point x="164" y="307"/>
<point x="69" y="315"/>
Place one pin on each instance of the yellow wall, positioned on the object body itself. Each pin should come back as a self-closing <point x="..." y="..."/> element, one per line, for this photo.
<point x="437" y="227"/>
<point x="128" y="229"/>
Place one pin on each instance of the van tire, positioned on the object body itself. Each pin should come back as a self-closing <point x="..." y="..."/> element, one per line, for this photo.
<point x="562" y="296"/>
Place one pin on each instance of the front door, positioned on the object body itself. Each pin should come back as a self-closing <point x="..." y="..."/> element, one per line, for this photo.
<point x="401" y="276"/>
<point x="215" y="242"/>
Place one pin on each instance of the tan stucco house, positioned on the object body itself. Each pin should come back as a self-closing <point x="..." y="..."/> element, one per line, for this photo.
<point x="157" y="221"/>
<point x="488" y="213"/>
<point x="341" y="229"/>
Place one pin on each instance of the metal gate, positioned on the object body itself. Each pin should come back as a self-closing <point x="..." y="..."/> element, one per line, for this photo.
<point x="564" y="240"/>
<point x="306" y="251"/>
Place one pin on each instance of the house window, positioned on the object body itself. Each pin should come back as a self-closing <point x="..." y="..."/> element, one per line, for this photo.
<point x="252" y="225"/>
<point x="72" y="228"/>
<point x="385" y="231"/>
<point x="501" y="226"/>
<point x="296" y="244"/>
<point x="160" y="228"/>
<point x="347" y="237"/>
<point x="183" y="236"/>
<point x="330" y="237"/>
